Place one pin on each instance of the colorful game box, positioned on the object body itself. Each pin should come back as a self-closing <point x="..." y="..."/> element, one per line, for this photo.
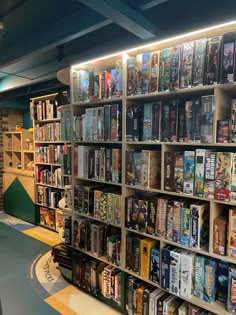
<point x="189" y="162"/>
<point x="223" y="175"/>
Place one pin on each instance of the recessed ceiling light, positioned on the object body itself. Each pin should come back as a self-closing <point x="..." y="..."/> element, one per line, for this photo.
<point x="1" y="25"/>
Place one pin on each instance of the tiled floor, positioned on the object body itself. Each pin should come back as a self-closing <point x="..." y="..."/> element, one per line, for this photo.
<point x="46" y="281"/>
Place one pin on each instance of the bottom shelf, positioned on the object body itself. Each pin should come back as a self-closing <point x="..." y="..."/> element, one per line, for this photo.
<point x="78" y="260"/>
<point x="216" y="307"/>
<point x="67" y="274"/>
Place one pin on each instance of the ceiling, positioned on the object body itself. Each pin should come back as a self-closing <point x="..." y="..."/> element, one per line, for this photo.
<point x="41" y="37"/>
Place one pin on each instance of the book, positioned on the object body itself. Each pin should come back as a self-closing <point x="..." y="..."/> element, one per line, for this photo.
<point x="199" y="224"/>
<point x="147" y="121"/>
<point x="173" y="123"/>
<point x="146" y="295"/>
<point x="155" y="265"/>
<point x="139" y="298"/>
<point x="175" y="256"/>
<point x="196" y="119"/>
<point x="199" y="172"/>
<point x="186" y="274"/>
<point x="210" y="280"/>
<point x="220" y="235"/>
<point x="154" y="69"/>
<point x="222" y="281"/>
<point x="223" y="129"/>
<point x="151" y="168"/>
<point x="165" y="122"/>
<point x="189" y="163"/>
<point x="231" y="296"/>
<point x="185" y="226"/>
<point x="161" y="212"/>
<point x="233" y="179"/>
<point x="223" y="175"/>
<point x="164" y="74"/>
<point x="183" y="309"/>
<point x="131" y="76"/>
<point x="156" y="121"/>
<point x="146" y="245"/>
<point x="199" y="273"/>
<point x="145" y="72"/>
<point x="115" y="122"/>
<point x="209" y="174"/>
<point x="153" y="297"/>
<point x="207" y="117"/>
<point x="186" y="64"/>
<point x="133" y="123"/>
<point x="174" y="67"/>
<point x="231" y="247"/>
<point x="165" y="267"/>
<point x="199" y="61"/>
<point x="169" y="170"/>
<point x="151" y="215"/>
<point x="213" y="60"/>
<point x="233" y="121"/>
<point x="179" y="171"/>
<point x="136" y="254"/>
<point x="181" y="122"/>
<point x="169" y="220"/>
<point x="188" y="137"/>
<point x="227" y="71"/>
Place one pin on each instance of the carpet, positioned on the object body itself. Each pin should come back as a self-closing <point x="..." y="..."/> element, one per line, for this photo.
<point x="17" y="252"/>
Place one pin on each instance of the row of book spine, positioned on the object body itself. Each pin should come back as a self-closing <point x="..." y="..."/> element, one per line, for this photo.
<point x="193" y="274"/>
<point x="99" y="124"/>
<point x="95" y="200"/>
<point x="194" y="63"/>
<point x="172" y="121"/>
<point x="98" y="163"/>
<point x="44" y="175"/>
<point x="48" y="132"/>
<point x="48" y="196"/>
<point x="100" y="238"/>
<point x="224" y="233"/>
<point x="203" y="173"/>
<point x="180" y="272"/>
<point x="47" y="109"/>
<point x="88" y="85"/>
<point x="52" y="218"/>
<point x="48" y="153"/>
<point x="97" y="277"/>
<point x="146" y="299"/>
<point x="66" y="125"/>
<point x="176" y="219"/>
<point x="143" y="168"/>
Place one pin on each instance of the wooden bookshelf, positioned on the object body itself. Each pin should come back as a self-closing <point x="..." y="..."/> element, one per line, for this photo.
<point x="51" y="179"/>
<point x="223" y="94"/>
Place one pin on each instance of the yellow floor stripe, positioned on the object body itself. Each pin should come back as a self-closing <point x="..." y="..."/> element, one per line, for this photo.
<point x="61" y="300"/>
<point x="59" y="306"/>
<point x="46" y="236"/>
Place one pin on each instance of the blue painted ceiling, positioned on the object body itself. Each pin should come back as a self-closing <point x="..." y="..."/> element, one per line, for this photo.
<point x="33" y="30"/>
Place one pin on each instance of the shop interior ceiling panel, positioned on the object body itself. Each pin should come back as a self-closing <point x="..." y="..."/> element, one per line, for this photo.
<point x="41" y="37"/>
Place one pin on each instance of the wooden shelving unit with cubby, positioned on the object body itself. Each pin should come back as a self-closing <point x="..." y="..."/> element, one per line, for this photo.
<point x="82" y="105"/>
<point x="18" y="174"/>
<point x="50" y="145"/>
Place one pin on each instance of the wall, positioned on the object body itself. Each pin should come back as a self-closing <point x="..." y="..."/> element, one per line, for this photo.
<point x="9" y="118"/>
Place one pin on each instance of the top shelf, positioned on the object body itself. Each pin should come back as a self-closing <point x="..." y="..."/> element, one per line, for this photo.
<point x="98" y="102"/>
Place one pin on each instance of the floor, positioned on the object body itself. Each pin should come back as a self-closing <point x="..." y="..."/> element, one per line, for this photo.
<point x="30" y="283"/>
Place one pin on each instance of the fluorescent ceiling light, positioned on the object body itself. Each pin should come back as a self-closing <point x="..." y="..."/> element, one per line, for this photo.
<point x="166" y="40"/>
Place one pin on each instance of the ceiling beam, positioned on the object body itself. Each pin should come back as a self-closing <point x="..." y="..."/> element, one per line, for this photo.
<point x="49" y="70"/>
<point x="49" y="36"/>
<point x="124" y="16"/>
<point x="151" y="4"/>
